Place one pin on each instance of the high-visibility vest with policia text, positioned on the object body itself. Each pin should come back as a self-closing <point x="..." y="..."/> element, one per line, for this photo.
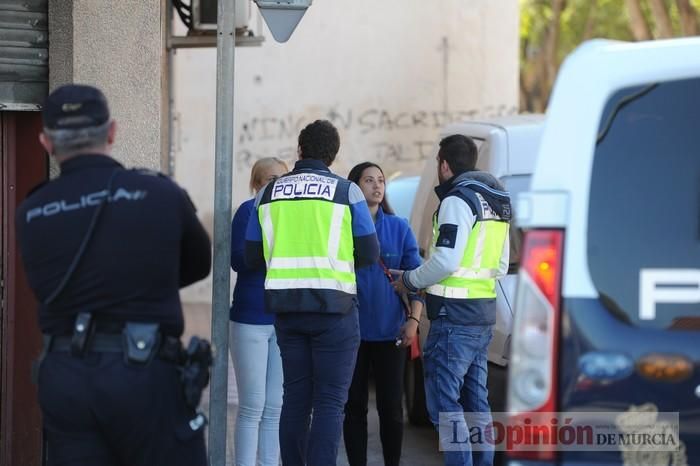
<point x="307" y="235"/>
<point x="476" y="276"/>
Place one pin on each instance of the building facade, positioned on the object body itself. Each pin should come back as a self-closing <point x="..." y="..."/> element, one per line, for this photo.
<point x="117" y="46"/>
<point x="388" y="74"/>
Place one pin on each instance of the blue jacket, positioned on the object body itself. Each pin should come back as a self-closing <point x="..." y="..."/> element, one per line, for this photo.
<point x="381" y="311"/>
<point x="248" y="305"/>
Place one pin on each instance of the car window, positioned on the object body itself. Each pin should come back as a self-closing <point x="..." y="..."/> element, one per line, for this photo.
<point x="401" y="193"/>
<point x="515" y="184"/>
<point x="644" y="209"/>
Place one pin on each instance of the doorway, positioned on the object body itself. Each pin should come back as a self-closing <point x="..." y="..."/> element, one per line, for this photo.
<point x="23" y="165"/>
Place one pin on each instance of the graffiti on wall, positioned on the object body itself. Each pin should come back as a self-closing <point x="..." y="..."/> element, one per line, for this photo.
<point x="381" y="135"/>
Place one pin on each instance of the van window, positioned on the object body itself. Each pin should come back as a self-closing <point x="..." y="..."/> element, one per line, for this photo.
<point x="644" y="209"/>
<point x="483" y="151"/>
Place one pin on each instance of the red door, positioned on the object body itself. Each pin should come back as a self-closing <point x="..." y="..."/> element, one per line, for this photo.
<point x="23" y="165"/>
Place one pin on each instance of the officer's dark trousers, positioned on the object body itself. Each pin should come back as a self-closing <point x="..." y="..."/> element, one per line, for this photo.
<point x="387" y="362"/>
<point x="100" y="412"/>
<point x="318" y="358"/>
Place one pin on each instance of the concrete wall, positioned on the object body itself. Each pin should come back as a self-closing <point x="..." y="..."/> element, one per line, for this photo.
<point x="118" y="47"/>
<point x="388" y="73"/>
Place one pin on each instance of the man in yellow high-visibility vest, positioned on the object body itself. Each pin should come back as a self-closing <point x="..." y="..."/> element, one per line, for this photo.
<point x="471" y="251"/>
<point x="310" y="230"/>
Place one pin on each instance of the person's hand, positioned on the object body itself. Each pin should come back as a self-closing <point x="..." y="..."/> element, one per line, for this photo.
<point x="398" y="281"/>
<point x="409" y="331"/>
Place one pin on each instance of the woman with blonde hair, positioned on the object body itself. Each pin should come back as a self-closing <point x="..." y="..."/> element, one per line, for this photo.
<point x="254" y="350"/>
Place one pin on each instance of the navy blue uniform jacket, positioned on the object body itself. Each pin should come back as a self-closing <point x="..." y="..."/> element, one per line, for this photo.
<point x="146" y="244"/>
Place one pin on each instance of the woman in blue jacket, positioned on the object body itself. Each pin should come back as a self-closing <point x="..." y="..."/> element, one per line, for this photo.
<point x="383" y="321"/>
<point x="254" y="350"/>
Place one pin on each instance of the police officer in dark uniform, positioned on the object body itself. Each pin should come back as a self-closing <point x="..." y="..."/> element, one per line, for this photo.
<point x="105" y="251"/>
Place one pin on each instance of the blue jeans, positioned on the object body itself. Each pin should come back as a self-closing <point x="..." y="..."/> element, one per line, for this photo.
<point x="455" y="365"/>
<point x="318" y="360"/>
<point x="258" y="366"/>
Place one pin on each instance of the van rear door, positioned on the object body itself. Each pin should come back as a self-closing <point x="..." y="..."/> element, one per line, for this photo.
<point x="643" y="252"/>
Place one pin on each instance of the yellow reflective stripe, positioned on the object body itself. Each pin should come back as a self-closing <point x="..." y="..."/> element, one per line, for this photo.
<point x="336" y="227"/>
<point x="311" y="263"/>
<point x="477" y="285"/>
<point x="485" y="274"/>
<point x="479" y="248"/>
<point x="268" y="229"/>
<point x="346" y="249"/>
<point x="497" y="233"/>
<point x="313" y="283"/>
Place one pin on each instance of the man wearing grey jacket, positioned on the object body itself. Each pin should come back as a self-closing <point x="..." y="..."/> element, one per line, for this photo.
<point x="470" y="253"/>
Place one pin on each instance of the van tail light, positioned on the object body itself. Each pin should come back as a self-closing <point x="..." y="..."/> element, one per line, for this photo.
<point x="533" y="362"/>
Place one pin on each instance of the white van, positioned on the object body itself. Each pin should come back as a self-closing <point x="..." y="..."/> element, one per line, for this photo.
<point x="507" y="148"/>
<point x="608" y="302"/>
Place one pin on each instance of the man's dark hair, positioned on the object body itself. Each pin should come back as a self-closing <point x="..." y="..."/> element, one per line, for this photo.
<point x="320" y="141"/>
<point x="459" y="152"/>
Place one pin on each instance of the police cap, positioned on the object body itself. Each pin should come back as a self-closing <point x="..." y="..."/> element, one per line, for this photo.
<point x="75" y="106"/>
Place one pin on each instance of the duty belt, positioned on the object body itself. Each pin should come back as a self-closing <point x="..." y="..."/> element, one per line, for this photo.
<point x="170" y="348"/>
<point x="139" y="343"/>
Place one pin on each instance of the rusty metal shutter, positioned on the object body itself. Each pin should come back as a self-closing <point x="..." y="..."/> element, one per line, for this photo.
<point x="24" y="54"/>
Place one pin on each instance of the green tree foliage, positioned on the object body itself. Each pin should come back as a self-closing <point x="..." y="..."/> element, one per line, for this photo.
<point x="551" y="29"/>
